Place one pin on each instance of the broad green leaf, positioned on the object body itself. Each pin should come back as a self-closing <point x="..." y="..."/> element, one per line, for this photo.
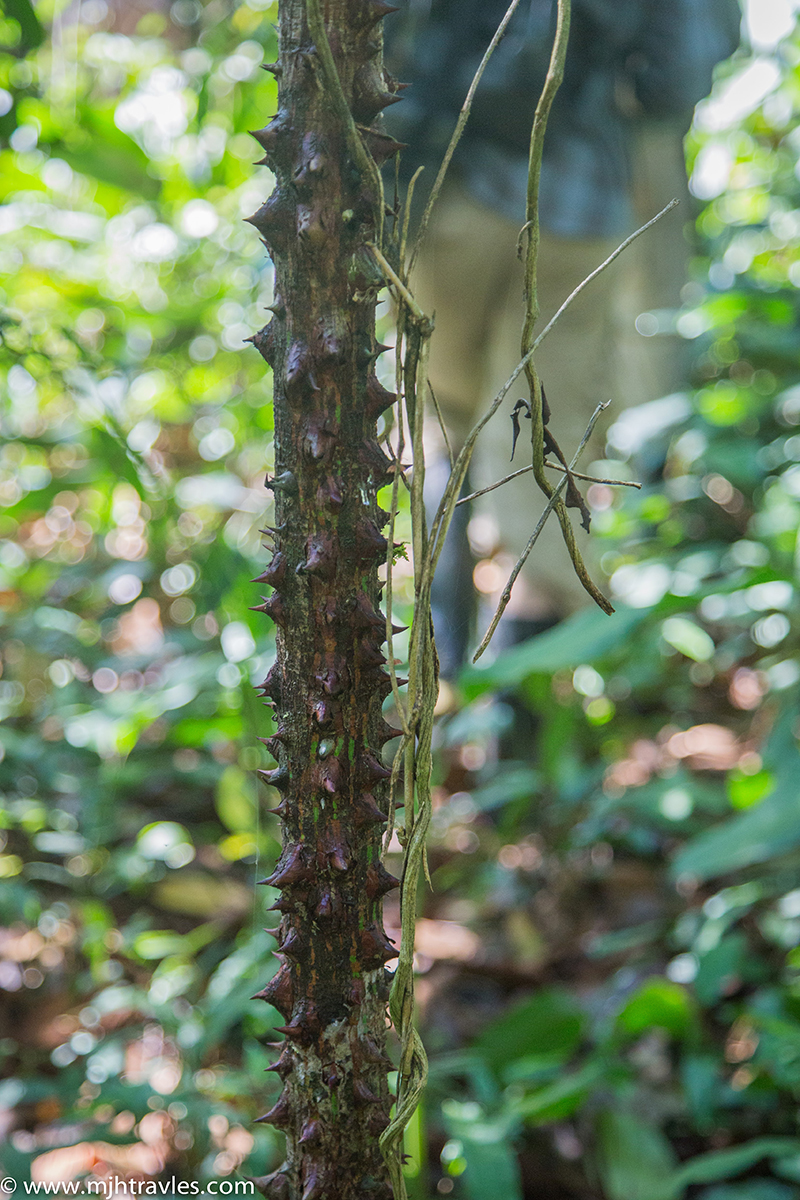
<point x="414" y="1147"/>
<point x="515" y="783"/>
<point x="533" y="1067"/>
<point x="759" y="834"/>
<point x="548" y="1023"/>
<point x="721" y="966"/>
<point x="744" y="791"/>
<point x="658" y="1003"/>
<point x="701" y="1076"/>
<point x="22" y="11"/>
<point x="769" y="829"/>
<point x="560" y="1099"/>
<point x="486" y="1150"/>
<point x="724" y="404"/>
<point x="722" y="1164"/>
<point x="635" y="1160"/>
<point x="492" y="1168"/>
<point x="159" y="943"/>
<point x="106" y="153"/>
<point x="751" y="1189"/>
<point x="688" y="637"/>
<point x="583" y="638"/>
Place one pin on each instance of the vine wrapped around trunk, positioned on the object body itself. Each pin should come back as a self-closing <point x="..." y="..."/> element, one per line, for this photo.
<point x="328" y="683"/>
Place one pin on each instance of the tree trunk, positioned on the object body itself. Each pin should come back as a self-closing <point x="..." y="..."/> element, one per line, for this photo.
<point x="328" y="682"/>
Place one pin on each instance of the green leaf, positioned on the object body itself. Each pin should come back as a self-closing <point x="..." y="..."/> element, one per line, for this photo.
<point x="485" y="1146"/>
<point x="687" y="637"/>
<point x="721" y="965"/>
<point x="722" y="1164"/>
<point x="760" y="833"/>
<point x="559" y="1100"/>
<point x="751" y="1189"/>
<point x="658" y="1003"/>
<point x="701" y="1076"/>
<point x="109" y="155"/>
<point x="236" y="800"/>
<point x="548" y="1023"/>
<point x="22" y="11"/>
<point x="724" y="404"/>
<point x="159" y="943"/>
<point x="583" y="638"/>
<point x="112" y="451"/>
<point x="635" y="1160"/>
<point x="744" y="791"/>
<point x="515" y="783"/>
<point x="492" y="1167"/>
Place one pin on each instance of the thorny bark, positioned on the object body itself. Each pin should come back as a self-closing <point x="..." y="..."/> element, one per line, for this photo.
<point x="328" y="682"/>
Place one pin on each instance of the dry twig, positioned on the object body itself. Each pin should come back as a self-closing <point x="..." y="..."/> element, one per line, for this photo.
<point x="551" y="504"/>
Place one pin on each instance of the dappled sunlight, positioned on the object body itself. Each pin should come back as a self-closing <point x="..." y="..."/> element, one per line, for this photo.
<point x="608" y="956"/>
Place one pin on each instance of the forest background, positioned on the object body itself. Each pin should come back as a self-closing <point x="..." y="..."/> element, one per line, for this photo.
<point x="610" y="955"/>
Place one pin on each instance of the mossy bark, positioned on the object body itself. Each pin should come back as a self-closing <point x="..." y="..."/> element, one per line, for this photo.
<point x="329" y="682"/>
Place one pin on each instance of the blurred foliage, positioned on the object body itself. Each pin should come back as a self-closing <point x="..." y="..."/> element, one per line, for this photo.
<point x="136" y="426"/>
<point x="640" y="868"/>
<point x="609" y="959"/>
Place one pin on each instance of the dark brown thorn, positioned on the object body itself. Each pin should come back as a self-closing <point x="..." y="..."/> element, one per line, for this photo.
<point x="284" y="1065"/>
<point x="380" y="9"/>
<point x="316" y="1181"/>
<point x="277" y="778"/>
<point x="311" y="1132"/>
<point x="371" y="767"/>
<point x="291" y="946"/>
<point x="279" y="992"/>
<point x="378" y="881"/>
<point x="276" y="1186"/>
<point x="367" y="812"/>
<point x="294" y="869"/>
<point x="376" y="949"/>
<point x="362" y="1094"/>
<point x="280" y="1115"/>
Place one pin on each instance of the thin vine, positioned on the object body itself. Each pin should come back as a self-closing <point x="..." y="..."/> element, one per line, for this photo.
<point x="413" y="757"/>
<point x="412" y="762"/>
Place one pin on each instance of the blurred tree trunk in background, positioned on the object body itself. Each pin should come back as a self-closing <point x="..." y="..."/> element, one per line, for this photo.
<point x="328" y="682"/>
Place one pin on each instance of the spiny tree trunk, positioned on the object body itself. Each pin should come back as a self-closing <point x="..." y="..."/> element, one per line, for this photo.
<point x="328" y="682"/>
